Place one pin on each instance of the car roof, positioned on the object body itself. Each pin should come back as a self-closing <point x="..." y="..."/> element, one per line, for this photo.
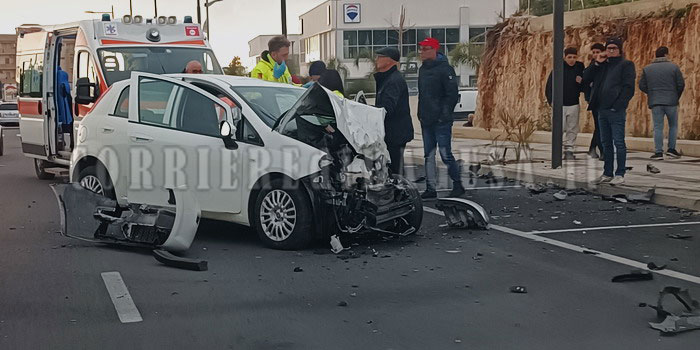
<point x="228" y="80"/>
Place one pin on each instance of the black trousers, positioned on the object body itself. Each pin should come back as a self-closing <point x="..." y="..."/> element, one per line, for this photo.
<point x="595" y="140"/>
<point x="396" y="161"/>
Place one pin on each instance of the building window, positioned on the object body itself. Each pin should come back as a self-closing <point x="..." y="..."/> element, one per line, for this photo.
<point x="363" y="42"/>
<point x="477" y="35"/>
<point x="473" y="81"/>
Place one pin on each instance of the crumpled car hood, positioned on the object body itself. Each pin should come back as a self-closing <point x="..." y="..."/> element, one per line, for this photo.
<point x="362" y="125"/>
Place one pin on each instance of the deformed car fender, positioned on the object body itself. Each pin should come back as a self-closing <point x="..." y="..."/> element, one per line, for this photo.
<point x="463" y="213"/>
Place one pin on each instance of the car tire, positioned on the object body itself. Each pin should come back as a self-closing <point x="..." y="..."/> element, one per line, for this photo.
<point x="39" y="169"/>
<point x="95" y="179"/>
<point x="414" y="219"/>
<point x="283" y="216"/>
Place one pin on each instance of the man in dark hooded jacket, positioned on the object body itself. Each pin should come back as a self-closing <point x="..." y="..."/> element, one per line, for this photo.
<point x="613" y="79"/>
<point x="438" y="94"/>
<point x="392" y="95"/>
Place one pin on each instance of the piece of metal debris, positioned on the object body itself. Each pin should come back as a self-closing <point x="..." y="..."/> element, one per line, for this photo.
<point x="642" y="197"/>
<point x="561" y="195"/>
<point x="686" y="320"/>
<point x="652" y="266"/>
<point x="169" y="259"/>
<point x="678" y="236"/>
<point x="518" y="289"/>
<point x="298" y="269"/>
<point x="677" y="324"/>
<point x="342" y="303"/>
<point x="576" y="222"/>
<point x="590" y="252"/>
<point x="652" y="169"/>
<point x="634" y="276"/>
<point x="463" y="213"/>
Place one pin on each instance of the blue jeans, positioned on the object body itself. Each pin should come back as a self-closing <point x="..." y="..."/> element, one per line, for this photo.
<point x="612" y="133"/>
<point x="439" y="136"/>
<point x="657" y="114"/>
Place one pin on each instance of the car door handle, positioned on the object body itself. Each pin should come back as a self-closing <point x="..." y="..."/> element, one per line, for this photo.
<point x="107" y="130"/>
<point x="141" y="139"/>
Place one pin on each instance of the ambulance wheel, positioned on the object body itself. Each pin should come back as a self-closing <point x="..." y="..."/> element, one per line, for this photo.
<point x="283" y="216"/>
<point x="95" y="179"/>
<point x="39" y="169"/>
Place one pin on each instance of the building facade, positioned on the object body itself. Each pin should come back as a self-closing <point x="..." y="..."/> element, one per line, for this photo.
<point x="8" y="52"/>
<point x="345" y="30"/>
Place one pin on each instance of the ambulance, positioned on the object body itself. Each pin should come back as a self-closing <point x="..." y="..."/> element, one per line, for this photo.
<point x="62" y="70"/>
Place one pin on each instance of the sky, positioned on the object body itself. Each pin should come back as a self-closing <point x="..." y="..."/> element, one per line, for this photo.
<point x="233" y="22"/>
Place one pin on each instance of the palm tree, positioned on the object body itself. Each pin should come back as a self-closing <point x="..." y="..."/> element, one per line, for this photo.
<point x="467" y="53"/>
<point x="334" y="63"/>
<point x="368" y="56"/>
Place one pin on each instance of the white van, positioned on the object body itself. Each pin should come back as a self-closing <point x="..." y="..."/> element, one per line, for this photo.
<point x="94" y="54"/>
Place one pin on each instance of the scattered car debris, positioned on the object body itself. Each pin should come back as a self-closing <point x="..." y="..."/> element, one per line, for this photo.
<point x="642" y="197"/>
<point x="561" y="195"/>
<point x="629" y="168"/>
<point x="336" y="246"/>
<point x="576" y="222"/>
<point x="169" y="259"/>
<point x="298" y="269"/>
<point x="678" y="236"/>
<point x="652" y="169"/>
<point x="652" y="266"/>
<point x="453" y="251"/>
<point x="590" y="252"/>
<point x="672" y="323"/>
<point x="343" y="303"/>
<point x="634" y="276"/>
<point x="420" y="179"/>
<point x="463" y="213"/>
<point x="518" y="289"/>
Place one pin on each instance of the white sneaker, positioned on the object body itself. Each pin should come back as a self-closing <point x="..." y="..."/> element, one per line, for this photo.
<point x="618" y="180"/>
<point x="601" y="180"/>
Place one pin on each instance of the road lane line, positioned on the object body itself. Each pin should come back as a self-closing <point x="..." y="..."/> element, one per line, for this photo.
<point x="614" y="227"/>
<point x="606" y="256"/>
<point x="126" y="309"/>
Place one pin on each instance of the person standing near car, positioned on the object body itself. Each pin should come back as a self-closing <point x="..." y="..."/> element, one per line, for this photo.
<point x="595" y="151"/>
<point x="663" y="82"/>
<point x="316" y="70"/>
<point x="392" y="95"/>
<point x="438" y="94"/>
<point x="573" y="77"/>
<point x="613" y="79"/>
<point x="272" y="65"/>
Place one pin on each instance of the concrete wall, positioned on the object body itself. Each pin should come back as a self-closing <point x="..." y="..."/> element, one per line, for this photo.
<point x="516" y="65"/>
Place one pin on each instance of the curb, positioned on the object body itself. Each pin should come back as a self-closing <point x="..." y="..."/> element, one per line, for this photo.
<point x="608" y="190"/>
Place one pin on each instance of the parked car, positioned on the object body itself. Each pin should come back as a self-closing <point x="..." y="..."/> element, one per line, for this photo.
<point x="9" y="113"/>
<point x="466" y="104"/>
<point x="295" y="164"/>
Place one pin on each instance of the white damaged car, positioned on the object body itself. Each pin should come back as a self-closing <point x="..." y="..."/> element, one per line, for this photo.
<point x="295" y="164"/>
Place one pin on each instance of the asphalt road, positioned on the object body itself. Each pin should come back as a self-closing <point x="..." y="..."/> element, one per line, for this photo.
<point x="438" y="289"/>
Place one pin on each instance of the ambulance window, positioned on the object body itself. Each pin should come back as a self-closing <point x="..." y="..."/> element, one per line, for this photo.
<point x="86" y="68"/>
<point x="30" y="75"/>
<point x="207" y="63"/>
<point x="122" y="108"/>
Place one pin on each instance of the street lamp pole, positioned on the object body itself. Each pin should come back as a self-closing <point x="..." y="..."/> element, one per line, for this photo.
<point x="131" y="8"/>
<point x="199" y="13"/>
<point x="284" y="17"/>
<point x="208" y="4"/>
<point x="155" y="6"/>
<point x="557" y="84"/>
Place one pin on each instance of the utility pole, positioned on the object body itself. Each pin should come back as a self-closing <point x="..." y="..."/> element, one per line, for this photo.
<point x="155" y="6"/>
<point x="131" y="8"/>
<point x="199" y="13"/>
<point x="557" y="84"/>
<point x="284" y="17"/>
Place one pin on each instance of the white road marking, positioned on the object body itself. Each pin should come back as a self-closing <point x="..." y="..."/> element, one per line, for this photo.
<point x="614" y="227"/>
<point x="126" y="309"/>
<point x="606" y="256"/>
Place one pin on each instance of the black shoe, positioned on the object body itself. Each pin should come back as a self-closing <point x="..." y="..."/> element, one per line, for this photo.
<point x="657" y="156"/>
<point x="429" y="194"/>
<point x="673" y="153"/>
<point x="457" y="191"/>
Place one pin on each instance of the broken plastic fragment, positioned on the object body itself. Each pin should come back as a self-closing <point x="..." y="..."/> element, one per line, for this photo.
<point x="336" y="246"/>
<point x="677" y="324"/>
<point x="637" y="275"/>
<point x="463" y="213"/>
<point x="643" y="197"/>
<point x="536" y="188"/>
<point x="652" y="169"/>
<point x="678" y="236"/>
<point x="169" y="259"/>
<point x="652" y="266"/>
<point x="518" y="289"/>
<point x="561" y="195"/>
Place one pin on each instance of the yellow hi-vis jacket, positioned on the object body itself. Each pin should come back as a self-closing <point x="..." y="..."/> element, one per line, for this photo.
<point x="264" y="70"/>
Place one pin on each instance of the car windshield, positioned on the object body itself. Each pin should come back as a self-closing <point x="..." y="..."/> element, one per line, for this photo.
<point x="269" y="102"/>
<point x="8" y="107"/>
<point x="118" y="63"/>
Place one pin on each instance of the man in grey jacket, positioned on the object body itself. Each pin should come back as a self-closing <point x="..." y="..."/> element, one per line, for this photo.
<point x="663" y="82"/>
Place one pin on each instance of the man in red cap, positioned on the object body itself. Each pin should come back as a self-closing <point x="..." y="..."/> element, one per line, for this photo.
<point x="438" y="94"/>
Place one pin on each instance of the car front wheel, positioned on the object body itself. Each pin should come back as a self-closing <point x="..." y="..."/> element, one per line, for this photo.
<point x="95" y="179"/>
<point x="283" y="217"/>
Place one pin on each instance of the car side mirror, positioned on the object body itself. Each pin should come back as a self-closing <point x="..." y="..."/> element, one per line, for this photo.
<point x="85" y="91"/>
<point x="227" y="132"/>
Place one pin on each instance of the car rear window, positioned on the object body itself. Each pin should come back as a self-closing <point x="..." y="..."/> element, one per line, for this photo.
<point x="8" y="107"/>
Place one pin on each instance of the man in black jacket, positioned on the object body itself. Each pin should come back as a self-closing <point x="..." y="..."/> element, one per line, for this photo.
<point x="595" y="151"/>
<point x="438" y="91"/>
<point x="392" y="95"/>
<point x="573" y="76"/>
<point x="613" y="79"/>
